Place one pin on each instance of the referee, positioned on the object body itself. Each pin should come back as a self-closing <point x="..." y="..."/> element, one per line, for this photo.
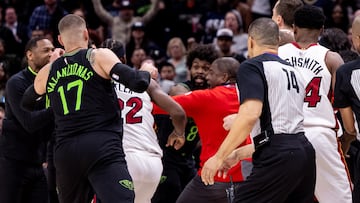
<point x="271" y="95"/>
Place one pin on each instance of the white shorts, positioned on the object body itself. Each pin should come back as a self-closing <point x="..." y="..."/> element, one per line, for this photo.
<point x="332" y="177"/>
<point x="145" y="170"/>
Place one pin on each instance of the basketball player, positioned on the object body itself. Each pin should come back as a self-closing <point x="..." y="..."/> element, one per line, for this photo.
<point x="271" y="95"/>
<point x="318" y="66"/>
<point x="142" y="151"/>
<point x="283" y="15"/>
<point x="89" y="156"/>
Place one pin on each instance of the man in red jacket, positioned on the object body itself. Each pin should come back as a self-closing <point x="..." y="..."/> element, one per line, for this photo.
<point x="208" y="107"/>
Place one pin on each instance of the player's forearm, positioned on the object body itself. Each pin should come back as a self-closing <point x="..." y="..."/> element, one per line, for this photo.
<point x="236" y="136"/>
<point x="179" y="121"/>
<point x="244" y="152"/>
<point x="101" y="12"/>
<point x="137" y="81"/>
<point x="348" y="120"/>
<point x="245" y="120"/>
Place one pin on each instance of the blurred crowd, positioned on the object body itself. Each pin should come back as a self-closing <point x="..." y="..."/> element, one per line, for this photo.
<point x="163" y="30"/>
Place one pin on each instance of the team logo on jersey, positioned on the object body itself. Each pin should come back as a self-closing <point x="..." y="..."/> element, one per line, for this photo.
<point x="127" y="184"/>
<point x="162" y="179"/>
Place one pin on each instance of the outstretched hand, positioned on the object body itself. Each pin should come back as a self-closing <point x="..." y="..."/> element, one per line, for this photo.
<point x="175" y="140"/>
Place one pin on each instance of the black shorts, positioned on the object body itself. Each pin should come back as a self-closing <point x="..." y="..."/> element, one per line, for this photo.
<point x="93" y="163"/>
<point x="283" y="171"/>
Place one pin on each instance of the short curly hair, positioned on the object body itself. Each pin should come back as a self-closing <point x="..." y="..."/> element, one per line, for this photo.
<point x="310" y="17"/>
<point x="204" y="52"/>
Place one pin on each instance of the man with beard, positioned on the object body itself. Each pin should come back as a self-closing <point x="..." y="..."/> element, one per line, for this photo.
<point x="179" y="165"/>
<point x="24" y="135"/>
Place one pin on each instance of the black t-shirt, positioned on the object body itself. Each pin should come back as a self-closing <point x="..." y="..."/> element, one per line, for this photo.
<point x="347" y="87"/>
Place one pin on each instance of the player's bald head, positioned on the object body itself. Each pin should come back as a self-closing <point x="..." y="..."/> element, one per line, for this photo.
<point x="71" y="28"/>
<point x="264" y="31"/>
<point x="71" y="22"/>
<point x="228" y="65"/>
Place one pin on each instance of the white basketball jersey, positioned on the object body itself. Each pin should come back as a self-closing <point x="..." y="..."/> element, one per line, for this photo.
<point x="318" y="110"/>
<point x="138" y="122"/>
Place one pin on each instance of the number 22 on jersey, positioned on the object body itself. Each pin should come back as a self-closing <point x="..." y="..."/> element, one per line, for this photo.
<point x="136" y="104"/>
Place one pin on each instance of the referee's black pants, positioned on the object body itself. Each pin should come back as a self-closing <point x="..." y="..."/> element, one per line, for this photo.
<point x="284" y="171"/>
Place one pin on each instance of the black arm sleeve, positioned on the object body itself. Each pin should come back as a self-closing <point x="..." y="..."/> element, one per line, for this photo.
<point x="135" y="80"/>
<point x="30" y="98"/>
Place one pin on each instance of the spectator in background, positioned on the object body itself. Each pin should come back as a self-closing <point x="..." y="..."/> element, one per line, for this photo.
<point x="114" y="7"/>
<point x="167" y="76"/>
<point x="10" y="62"/>
<point x="339" y="18"/>
<point x="10" y="43"/>
<point x="46" y="17"/>
<point x="234" y="22"/>
<point x="137" y="57"/>
<point x="3" y="80"/>
<point x="19" y="30"/>
<point x="224" y="41"/>
<point x="213" y="19"/>
<point x="139" y="39"/>
<point x="261" y="8"/>
<point x="245" y="10"/>
<point x="96" y="35"/>
<point x="176" y="52"/>
<point x="120" y="25"/>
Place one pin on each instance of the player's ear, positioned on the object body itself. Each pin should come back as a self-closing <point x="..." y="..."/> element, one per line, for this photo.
<point x="60" y="40"/>
<point x="86" y="35"/>
<point x="279" y="20"/>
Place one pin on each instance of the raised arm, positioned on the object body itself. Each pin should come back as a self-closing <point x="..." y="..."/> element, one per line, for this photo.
<point x="149" y="15"/>
<point x="105" y="16"/>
